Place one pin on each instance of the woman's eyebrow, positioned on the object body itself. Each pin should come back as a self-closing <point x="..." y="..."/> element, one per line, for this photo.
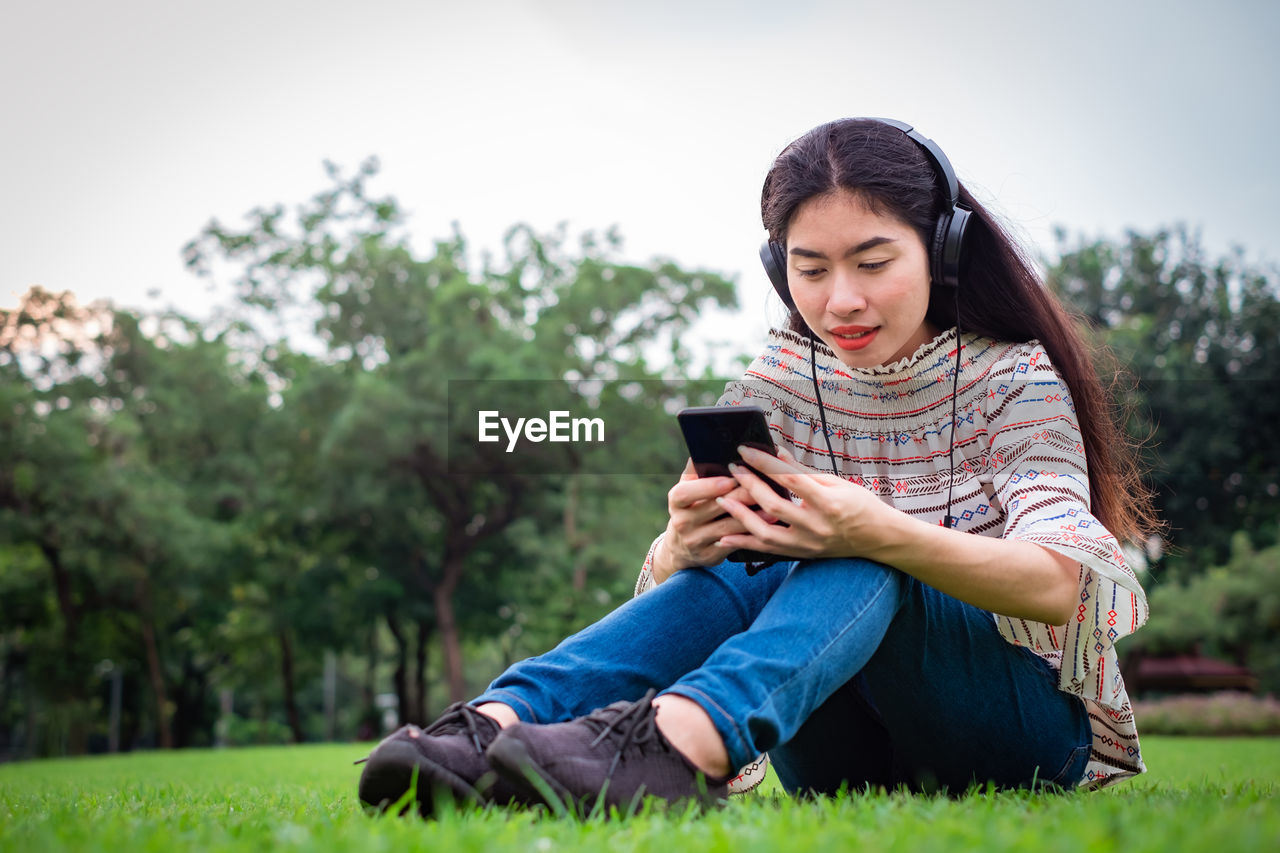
<point x="861" y="247"/>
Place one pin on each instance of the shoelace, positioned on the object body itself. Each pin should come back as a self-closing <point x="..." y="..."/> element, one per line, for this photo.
<point x="642" y="728"/>
<point x="455" y="717"/>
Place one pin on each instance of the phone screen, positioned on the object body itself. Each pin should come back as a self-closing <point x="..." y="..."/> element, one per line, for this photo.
<point x="713" y="435"/>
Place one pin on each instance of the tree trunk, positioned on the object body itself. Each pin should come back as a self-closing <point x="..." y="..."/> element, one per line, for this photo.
<point x="66" y="600"/>
<point x="420" y="669"/>
<point x="190" y="720"/>
<point x="330" y="695"/>
<point x="467" y="523"/>
<point x="290" y="696"/>
<point x="370" y="720"/>
<point x="73" y="688"/>
<point x="447" y="622"/>
<point x="399" y="678"/>
<point x="573" y="537"/>
<point x="155" y="671"/>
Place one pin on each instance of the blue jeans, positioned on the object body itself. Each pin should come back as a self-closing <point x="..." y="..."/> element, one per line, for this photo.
<point x="845" y="671"/>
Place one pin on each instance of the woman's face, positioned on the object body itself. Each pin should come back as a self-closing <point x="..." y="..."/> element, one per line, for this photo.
<point x="859" y="279"/>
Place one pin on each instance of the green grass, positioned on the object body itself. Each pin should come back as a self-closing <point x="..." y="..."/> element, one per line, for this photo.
<point x="1201" y="794"/>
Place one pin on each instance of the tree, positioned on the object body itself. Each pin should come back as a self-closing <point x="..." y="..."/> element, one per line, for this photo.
<point x="206" y="506"/>
<point x="546" y="315"/>
<point x="1201" y="335"/>
<point x="128" y="451"/>
<point x="62" y="495"/>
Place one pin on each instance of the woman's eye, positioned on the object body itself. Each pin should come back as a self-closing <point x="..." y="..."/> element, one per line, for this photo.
<point x="810" y="273"/>
<point x="874" y="265"/>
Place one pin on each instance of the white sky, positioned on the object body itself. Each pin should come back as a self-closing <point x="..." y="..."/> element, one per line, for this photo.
<point x="128" y="125"/>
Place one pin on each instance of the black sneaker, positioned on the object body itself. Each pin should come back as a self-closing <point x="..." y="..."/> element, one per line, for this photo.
<point x="447" y="755"/>
<point x="614" y="756"/>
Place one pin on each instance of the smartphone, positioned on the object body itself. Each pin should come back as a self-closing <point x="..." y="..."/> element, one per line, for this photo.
<point x="713" y="435"/>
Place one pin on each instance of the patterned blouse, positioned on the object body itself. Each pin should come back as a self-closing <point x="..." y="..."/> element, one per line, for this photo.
<point x="1020" y="473"/>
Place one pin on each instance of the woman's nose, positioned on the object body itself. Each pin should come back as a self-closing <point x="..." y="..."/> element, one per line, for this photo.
<point x="846" y="295"/>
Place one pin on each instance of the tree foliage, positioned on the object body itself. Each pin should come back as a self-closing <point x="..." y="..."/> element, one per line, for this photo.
<point x="1200" y="337"/>
<point x="1231" y="611"/>
<point x="214" y="505"/>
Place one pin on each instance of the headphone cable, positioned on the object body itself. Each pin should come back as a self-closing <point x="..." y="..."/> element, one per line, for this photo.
<point x="817" y="394"/>
<point x="949" y="520"/>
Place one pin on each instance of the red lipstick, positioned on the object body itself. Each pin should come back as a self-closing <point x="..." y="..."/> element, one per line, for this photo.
<point x="851" y="338"/>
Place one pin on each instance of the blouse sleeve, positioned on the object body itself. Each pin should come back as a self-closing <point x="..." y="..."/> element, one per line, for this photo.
<point x="1039" y="477"/>
<point x="645" y="581"/>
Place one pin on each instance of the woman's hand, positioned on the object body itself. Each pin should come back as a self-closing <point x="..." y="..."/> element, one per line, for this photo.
<point x="836" y="518"/>
<point x="698" y="524"/>
<point x="833" y="518"/>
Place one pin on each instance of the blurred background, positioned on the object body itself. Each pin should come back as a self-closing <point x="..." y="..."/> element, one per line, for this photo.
<point x="245" y="248"/>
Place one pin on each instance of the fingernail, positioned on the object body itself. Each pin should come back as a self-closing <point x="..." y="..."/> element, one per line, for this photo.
<point x="720" y="501"/>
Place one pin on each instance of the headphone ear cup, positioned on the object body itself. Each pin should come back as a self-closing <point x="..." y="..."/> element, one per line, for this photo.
<point x="774" y="258"/>
<point x="953" y="245"/>
<point x="948" y="245"/>
<point x="936" y="247"/>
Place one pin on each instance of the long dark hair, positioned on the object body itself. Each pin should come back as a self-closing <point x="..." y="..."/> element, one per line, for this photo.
<point x="1001" y="293"/>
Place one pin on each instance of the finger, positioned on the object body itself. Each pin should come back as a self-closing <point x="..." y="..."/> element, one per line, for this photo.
<point x="711" y="511"/>
<point x="770" y="464"/>
<point x="743" y="541"/>
<point x="701" y="539"/>
<point x="761" y="493"/>
<point x="785" y="472"/>
<point x="785" y="456"/>
<point x="726" y="525"/>
<point x="687" y="493"/>
<point x="693" y="522"/>
<point x="689" y="472"/>
<point x="763" y="533"/>
<point x="743" y="496"/>
<point x="749" y="516"/>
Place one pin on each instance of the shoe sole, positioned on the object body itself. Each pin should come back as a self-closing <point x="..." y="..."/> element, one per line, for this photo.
<point x="391" y="769"/>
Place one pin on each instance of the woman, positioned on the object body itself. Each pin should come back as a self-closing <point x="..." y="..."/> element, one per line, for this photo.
<point x="889" y="645"/>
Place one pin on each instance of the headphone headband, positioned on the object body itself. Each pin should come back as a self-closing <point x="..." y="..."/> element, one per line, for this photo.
<point x="940" y="162"/>
<point x="948" y="233"/>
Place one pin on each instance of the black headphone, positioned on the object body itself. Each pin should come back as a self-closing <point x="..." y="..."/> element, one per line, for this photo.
<point x="948" y="232"/>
